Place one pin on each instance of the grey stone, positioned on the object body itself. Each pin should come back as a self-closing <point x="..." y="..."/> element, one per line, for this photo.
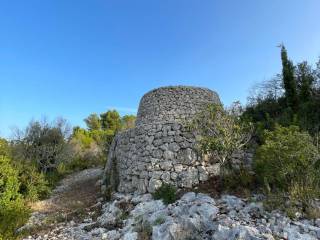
<point x="178" y="168"/>
<point x="174" y="147"/>
<point x="111" y="235"/>
<point x="130" y="236"/>
<point x="168" y="155"/>
<point x="165" y="177"/>
<point x="154" y="184"/>
<point x="166" y="165"/>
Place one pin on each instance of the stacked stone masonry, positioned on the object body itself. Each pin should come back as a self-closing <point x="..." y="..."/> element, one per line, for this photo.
<point x="160" y="149"/>
<point x="173" y="104"/>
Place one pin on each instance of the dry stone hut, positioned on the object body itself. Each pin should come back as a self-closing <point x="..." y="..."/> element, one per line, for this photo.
<point x="160" y="148"/>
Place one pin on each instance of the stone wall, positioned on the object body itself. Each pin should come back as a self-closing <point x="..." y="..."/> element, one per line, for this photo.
<point x="160" y="148"/>
<point x="173" y="104"/>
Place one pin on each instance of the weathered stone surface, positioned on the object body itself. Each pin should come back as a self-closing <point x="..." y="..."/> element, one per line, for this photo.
<point x="154" y="184"/>
<point x="111" y="235"/>
<point x="111" y="216"/>
<point x="173" y="103"/>
<point x="160" y="148"/>
<point x="194" y="216"/>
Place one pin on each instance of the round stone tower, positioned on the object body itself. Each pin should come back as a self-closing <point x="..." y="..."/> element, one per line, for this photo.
<point x="160" y="148"/>
<point x="173" y="104"/>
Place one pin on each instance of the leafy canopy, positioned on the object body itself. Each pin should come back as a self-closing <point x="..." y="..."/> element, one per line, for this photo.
<point x="221" y="132"/>
<point x="286" y="156"/>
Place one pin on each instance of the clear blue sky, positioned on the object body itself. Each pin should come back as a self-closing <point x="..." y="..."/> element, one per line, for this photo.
<point x="72" y="58"/>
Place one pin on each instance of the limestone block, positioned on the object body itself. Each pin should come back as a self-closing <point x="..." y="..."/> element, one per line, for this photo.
<point x="174" y="176"/>
<point x="154" y="184"/>
<point x="142" y="186"/>
<point x="174" y="147"/>
<point x="168" y="155"/>
<point x="157" y="153"/>
<point x="178" y="167"/>
<point x="166" y="177"/>
<point x="156" y="174"/>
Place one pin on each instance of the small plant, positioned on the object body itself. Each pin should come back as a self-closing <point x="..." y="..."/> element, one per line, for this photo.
<point x="167" y="193"/>
<point x="274" y="200"/>
<point x="62" y="168"/>
<point x="312" y="212"/>
<point x="55" y="218"/>
<point x="160" y="220"/>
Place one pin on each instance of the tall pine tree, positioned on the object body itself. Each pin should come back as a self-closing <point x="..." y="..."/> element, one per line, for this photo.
<point x="289" y="81"/>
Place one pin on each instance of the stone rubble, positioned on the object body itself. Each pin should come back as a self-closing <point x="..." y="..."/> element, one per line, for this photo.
<point x="194" y="216"/>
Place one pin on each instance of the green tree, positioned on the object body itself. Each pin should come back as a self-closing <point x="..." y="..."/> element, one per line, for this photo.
<point x="111" y="120"/>
<point x="4" y="147"/>
<point x="93" y="122"/>
<point x="13" y="212"/>
<point x="128" y="121"/>
<point x="289" y="81"/>
<point x="221" y="133"/>
<point x="305" y="81"/>
<point x="317" y="74"/>
<point x="42" y="143"/>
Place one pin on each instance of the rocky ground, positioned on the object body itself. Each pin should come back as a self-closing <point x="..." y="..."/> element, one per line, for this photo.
<point x="193" y="216"/>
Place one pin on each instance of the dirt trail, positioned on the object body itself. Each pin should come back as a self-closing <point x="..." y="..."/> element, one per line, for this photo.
<point x="75" y="192"/>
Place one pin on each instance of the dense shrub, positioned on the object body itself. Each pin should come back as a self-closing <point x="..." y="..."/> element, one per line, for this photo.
<point x="167" y="193"/>
<point x="221" y="132"/>
<point x="87" y="149"/>
<point x="13" y="212"/>
<point x="288" y="162"/>
<point x="4" y="147"/>
<point x="33" y="184"/>
<point x="43" y="144"/>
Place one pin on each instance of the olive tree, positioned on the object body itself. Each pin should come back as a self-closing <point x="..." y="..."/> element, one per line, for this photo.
<point x="221" y="132"/>
<point x="43" y="143"/>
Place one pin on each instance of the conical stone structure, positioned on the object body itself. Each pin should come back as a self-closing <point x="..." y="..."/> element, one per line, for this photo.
<point x="160" y="148"/>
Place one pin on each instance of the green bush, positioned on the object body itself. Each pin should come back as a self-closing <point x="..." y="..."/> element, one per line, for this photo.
<point x="33" y="184"/>
<point x="13" y="213"/>
<point x="53" y="177"/>
<point x="167" y="193"/>
<point x="221" y="133"/>
<point x="288" y="162"/>
<point x="4" y="147"/>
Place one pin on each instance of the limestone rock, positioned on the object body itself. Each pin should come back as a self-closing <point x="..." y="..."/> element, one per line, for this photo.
<point x="154" y="184"/>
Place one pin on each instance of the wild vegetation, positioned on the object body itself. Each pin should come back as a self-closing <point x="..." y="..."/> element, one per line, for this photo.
<point x="39" y="156"/>
<point x="285" y="114"/>
<point x="221" y="132"/>
<point x="281" y="123"/>
<point x="167" y="193"/>
<point x="290" y="98"/>
<point x="287" y="164"/>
